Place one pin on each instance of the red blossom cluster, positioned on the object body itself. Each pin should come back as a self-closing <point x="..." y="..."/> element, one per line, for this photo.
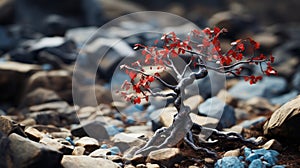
<point x="202" y="46"/>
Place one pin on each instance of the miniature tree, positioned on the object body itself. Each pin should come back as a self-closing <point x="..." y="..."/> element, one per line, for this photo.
<point x="203" y="50"/>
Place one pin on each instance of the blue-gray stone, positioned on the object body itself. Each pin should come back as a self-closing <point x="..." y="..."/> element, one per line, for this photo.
<point x="269" y="87"/>
<point x="70" y="140"/>
<point x="104" y="146"/>
<point x="252" y="157"/>
<point x="130" y="120"/>
<point x="229" y="162"/>
<point x="115" y="150"/>
<point x="253" y="122"/>
<point x="257" y="163"/>
<point x="261" y="151"/>
<point x="280" y="100"/>
<point x="270" y="158"/>
<point x="296" y="81"/>
<point x="216" y="108"/>
<point x="112" y="130"/>
<point x="278" y="166"/>
<point x="247" y="151"/>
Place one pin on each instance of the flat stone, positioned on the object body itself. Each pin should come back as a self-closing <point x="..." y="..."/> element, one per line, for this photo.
<point x="273" y="144"/>
<point x="34" y="134"/>
<point x="95" y="129"/>
<point x="235" y="152"/>
<point x="27" y="153"/>
<point x="165" y="157"/>
<point x="126" y="140"/>
<point x="90" y="144"/>
<point x="100" y="153"/>
<point x="70" y="161"/>
<point x="284" y="122"/>
<point x="259" y="105"/>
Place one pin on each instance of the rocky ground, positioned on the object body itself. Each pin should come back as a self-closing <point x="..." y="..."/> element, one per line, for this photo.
<point x="41" y="127"/>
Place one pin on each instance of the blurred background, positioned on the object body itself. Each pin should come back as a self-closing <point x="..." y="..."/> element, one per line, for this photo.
<point x="38" y="36"/>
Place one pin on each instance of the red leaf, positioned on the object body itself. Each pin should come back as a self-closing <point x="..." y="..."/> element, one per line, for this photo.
<point x="216" y="30"/>
<point x="132" y="75"/>
<point x="155" y="42"/>
<point x="150" y="78"/>
<point x="137" y="100"/>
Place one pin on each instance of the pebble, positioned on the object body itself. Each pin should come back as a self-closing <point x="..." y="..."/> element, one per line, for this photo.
<point x="70" y="161"/>
<point x="216" y="108"/>
<point x="257" y="163"/>
<point x="231" y="161"/>
<point x="165" y="157"/>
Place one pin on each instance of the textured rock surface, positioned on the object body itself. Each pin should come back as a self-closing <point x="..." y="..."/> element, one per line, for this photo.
<point x="285" y="122"/>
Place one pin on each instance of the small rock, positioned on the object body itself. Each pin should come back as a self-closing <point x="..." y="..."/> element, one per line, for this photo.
<point x="235" y="152"/>
<point x="193" y="102"/>
<point x="252" y="157"/>
<point x="8" y="126"/>
<point x="149" y="165"/>
<point x="141" y="166"/>
<point x="90" y="144"/>
<point x="253" y="122"/>
<point x="269" y="87"/>
<point x="225" y="96"/>
<point x="126" y="140"/>
<point x="65" y="149"/>
<point x="214" y="107"/>
<point x="257" y="163"/>
<point x="70" y="161"/>
<point x="271" y="159"/>
<point x="101" y="153"/>
<point x="39" y="96"/>
<point x="93" y="129"/>
<point x="115" y="150"/>
<point x="112" y="130"/>
<point x="284" y="122"/>
<point x="238" y="129"/>
<point x="46" y="128"/>
<point x="13" y="79"/>
<point x="78" y="150"/>
<point x="273" y="144"/>
<point x="231" y="161"/>
<point x="27" y="153"/>
<point x="165" y="157"/>
<point x="296" y="81"/>
<point x="258" y="105"/>
<point x="28" y="122"/>
<point x="61" y="78"/>
<point x="34" y="134"/>
<point x="280" y="100"/>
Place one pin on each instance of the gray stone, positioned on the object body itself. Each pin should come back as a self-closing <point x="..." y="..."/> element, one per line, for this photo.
<point x="127" y="140"/>
<point x="95" y="129"/>
<point x="296" y="81"/>
<point x="253" y="122"/>
<point x="280" y="100"/>
<point x="100" y="153"/>
<point x="284" y="122"/>
<point x="70" y="161"/>
<point x="269" y="87"/>
<point x="27" y="153"/>
<point x="216" y="108"/>
<point x="193" y="102"/>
